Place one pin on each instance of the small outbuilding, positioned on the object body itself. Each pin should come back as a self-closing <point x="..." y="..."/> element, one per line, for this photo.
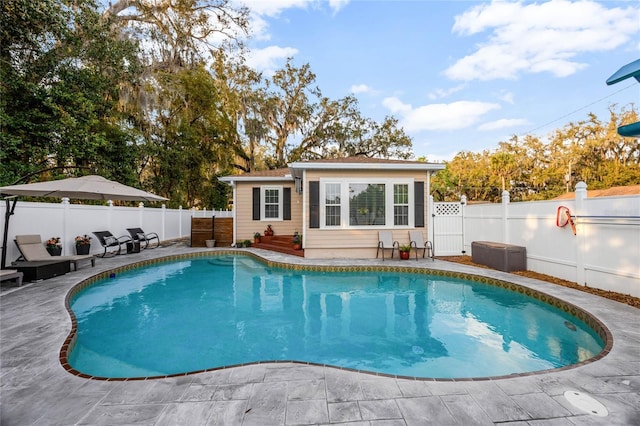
<point x="336" y="205"/>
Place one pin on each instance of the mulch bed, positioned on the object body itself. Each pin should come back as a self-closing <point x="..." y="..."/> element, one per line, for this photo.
<point x="618" y="297"/>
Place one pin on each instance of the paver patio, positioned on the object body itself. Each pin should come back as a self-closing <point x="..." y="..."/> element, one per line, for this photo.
<point x="36" y="390"/>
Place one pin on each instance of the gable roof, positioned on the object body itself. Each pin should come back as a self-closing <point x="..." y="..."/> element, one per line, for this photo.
<point x="261" y="175"/>
<point x="365" y="163"/>
<point x="347" y="163"/>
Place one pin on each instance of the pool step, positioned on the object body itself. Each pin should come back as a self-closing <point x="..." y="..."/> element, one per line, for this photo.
<point x="278" y="243"/>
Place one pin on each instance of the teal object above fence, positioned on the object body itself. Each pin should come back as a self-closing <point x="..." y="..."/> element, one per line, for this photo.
<point x="630" y="70"/>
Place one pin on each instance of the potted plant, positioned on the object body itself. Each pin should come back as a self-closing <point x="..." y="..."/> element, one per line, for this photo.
<point x="247" y="243"/>
<point x="54" y="246"/>
<point x="405" y="251"/>
<point x="268" y="232"/>
<point x="83" y="244"/>
<point x="239" y="243"/>
<point x="256" y="238"/>
<point x="297" y="241"/>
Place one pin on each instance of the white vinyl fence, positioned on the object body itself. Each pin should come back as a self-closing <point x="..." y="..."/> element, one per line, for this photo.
<point x="604" y="253"/>
<point x="67" y="221"/>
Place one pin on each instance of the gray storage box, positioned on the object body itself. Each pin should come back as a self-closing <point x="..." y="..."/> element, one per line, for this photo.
<point x="503" y="257"/>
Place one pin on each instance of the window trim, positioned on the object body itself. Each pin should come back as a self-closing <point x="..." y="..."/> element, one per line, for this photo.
<point x="263" y="204"/>
<point x="345" y="201"/>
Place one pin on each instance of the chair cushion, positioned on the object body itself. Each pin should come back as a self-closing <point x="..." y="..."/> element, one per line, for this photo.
<point x="110" y="241"/>
<point x="32" y="252"/>
<point x="28" y="239"/>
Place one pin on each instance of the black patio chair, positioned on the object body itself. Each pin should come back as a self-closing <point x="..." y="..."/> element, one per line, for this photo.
<point x="108" y="240"/>
<point x="139" y="235"/>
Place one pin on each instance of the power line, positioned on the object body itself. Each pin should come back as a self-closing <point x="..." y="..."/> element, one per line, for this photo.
<point x="577" y="110"/>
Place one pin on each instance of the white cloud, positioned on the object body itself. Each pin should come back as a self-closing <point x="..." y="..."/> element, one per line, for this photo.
<point x="336" y="5"/>
<point x="443" y="93"/>
<point x="506" y="97"/>
<point x="540" y="37"/>
<point x="396" y="106"/>
<point x="273" y="7"/>
<point x="452" y="116"/>
<point x="261" y="9"/>
<point x="503" y="123"/>
<point x="360" y="88"/>
<point x="270" y="58"/>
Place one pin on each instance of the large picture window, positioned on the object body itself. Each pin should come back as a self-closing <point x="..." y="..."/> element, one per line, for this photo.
<point x="373" y="203"/>
<point x="366" y="204"/>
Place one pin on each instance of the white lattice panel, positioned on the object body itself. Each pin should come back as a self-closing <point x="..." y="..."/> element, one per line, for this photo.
<point x="448" y="209"/>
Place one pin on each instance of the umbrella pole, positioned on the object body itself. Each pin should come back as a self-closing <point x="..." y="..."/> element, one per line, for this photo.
<point x="5" y="236"/>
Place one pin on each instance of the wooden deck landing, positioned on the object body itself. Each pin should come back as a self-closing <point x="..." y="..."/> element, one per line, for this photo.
<point x="278" y="243"/>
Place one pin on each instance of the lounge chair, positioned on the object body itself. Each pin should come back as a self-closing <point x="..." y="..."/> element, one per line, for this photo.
<point x="385" y="241"/>
<point x="11" y="274"/>
<point x="108" y="240"/>
<point x="32" y="250"/>
<point x="418" y="242"/>
<point x="138" y="235"/>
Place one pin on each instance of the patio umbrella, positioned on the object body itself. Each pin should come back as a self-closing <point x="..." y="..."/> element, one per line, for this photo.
<point x="85" y="188"/>
<point x="90" y="187"/>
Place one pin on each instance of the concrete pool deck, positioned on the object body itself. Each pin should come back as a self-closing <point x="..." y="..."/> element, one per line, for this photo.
<point x="36" y="390"/>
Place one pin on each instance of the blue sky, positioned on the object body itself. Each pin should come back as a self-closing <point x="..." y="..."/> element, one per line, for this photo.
<point x="459" y="75"/>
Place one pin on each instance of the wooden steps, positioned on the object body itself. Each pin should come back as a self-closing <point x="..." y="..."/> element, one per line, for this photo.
<point x="278" y="243"/>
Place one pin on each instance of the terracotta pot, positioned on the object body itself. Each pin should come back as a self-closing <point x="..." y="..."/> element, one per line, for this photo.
<point x="404" y="255"/>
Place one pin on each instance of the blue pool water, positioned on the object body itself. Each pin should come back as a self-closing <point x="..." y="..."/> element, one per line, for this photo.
<point x="204" y="313"/>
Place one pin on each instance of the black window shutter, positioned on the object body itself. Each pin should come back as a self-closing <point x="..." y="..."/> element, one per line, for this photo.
<point x="286" y="204"/>
<point x="418" y="196"/>
<point x="314" y="204"/>
<point x="256" y="203"/>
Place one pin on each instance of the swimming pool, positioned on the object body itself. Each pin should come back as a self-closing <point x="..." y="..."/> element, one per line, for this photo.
<point x="202" y="313"/>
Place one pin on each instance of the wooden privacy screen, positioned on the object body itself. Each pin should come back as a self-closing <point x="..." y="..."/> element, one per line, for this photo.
<point x="210" y="228"/>
<point x="223" y="231"/>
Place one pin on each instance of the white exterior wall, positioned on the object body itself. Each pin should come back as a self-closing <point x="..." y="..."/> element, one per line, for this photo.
<point x="244" y="224"/>
<point x="355" y="242"/>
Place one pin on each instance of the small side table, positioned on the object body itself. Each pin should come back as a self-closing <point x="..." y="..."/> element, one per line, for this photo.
<point x="133" y="246"/>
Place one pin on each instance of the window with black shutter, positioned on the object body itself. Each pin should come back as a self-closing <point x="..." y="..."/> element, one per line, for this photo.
<point x="418" y="196"/>
<point x="314" y="204"/>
